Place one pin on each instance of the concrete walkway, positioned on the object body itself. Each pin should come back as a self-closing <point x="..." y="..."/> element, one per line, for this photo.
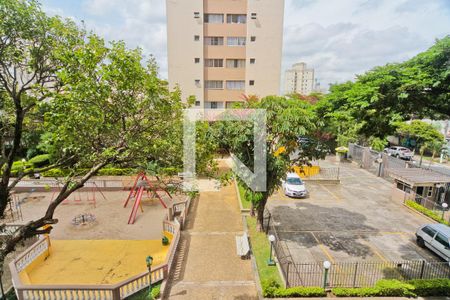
<point x="207" y="266"/>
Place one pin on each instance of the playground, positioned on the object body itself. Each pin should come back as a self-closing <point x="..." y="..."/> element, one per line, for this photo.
<point x="102" y="236"/>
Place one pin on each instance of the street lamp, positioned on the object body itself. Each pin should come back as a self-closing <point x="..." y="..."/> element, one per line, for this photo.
<point x="444" y="208"/>
<point x="326" y="267"/>
<point x="270" y="261"/>
<point x="149" y="261"/>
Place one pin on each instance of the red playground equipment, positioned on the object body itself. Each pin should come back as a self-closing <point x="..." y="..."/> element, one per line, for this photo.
<point x="142" y="184"/>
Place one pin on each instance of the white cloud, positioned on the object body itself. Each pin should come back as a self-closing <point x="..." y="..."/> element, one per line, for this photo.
<point x="338" y="38"/>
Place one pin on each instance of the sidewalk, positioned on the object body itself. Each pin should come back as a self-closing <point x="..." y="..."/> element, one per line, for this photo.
<point x="207" y="266"/>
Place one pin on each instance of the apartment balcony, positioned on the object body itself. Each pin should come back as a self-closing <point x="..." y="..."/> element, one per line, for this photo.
<point x="224" y="95"/>
<point x="224" y="73"/>
<point x="224" y="52"/>
<point x="225" y="29"/>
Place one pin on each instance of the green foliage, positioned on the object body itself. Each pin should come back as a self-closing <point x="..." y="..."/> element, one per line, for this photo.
<point x="143" y="294"/>
<point x="272" y="289"/>
<point x="431" y="287"/>
<point x="40" y="160"/>
<point x="287" y="120"/>
<point x="396" y="288"/>
<point x="246" y="203"/>
<point x="380" y="98"/>
<point x="378" y="144"/>
<point x="116" y="171"/>
<point x="421" y="131"/>
<point x="429" y="213"/>
<point x="55" y="172"/>
<point x="261" y="251"/>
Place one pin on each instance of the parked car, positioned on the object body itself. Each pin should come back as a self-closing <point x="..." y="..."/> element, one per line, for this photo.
<point x="294" y="186"/>
<point x="399" y="152"/>
<point x="435" y="237"/>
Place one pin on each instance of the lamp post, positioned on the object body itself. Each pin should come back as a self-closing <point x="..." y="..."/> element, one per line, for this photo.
<point x="326" y="267"/>
<point x="270" y="261"/>
<point x="444" y="208"/>
<point x="149" y="261"/>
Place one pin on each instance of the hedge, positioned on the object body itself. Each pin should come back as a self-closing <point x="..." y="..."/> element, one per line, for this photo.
<point x="272" y="289"/>
<point x="429" y="213"/>
<point x="40" y="160"/>
<point x="431" y="287"/>
<point x="396" y="288"/>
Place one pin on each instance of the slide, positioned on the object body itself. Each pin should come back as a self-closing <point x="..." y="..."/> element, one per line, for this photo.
<point x="136" y="204"/>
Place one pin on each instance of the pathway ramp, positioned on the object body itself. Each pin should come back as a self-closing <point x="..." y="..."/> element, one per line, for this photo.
<point x="207" y="266"/>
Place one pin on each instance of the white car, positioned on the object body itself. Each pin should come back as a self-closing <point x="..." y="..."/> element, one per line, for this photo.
<point x="400" y="152"/>
<point x="435" y="237"/>
<point x="294" y="186"/>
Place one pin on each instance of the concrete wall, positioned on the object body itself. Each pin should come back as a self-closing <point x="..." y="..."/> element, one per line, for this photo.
<point x="182" y="49"/>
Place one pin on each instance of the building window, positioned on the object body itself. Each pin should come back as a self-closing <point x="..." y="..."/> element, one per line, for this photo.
<point x="213" y="104"/>
<point x="236" y="85"/>
<point x="236" y="19"/>
<point x="235" y="63"/>
<point x="253" y="16"/>
<point x="252" y="38"/>
<point x="197" y="103"/>
<point x="236" y="41"/>
<point x="214" y="63"/>
<point x="196" y="15"/>
<point x="213" y="40"/>
<point x="196" y="38"/>
<point x="252" y="61"/>
<point x="214" y="18"/>
<point x="251" y="82"/>
<point x="197" y="82"/>
<point x="196" y="60"/>
<point x="213" y="84"/>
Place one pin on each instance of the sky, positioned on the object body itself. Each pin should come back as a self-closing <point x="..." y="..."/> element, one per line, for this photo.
<point x="338" y="38"/>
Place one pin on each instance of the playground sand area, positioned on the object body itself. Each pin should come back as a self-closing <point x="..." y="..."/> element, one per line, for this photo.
<point x="104" y="248"/>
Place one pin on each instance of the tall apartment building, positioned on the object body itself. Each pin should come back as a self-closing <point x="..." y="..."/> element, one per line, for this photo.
<point x="299" y="79"/>
<point x="221" y="50"/>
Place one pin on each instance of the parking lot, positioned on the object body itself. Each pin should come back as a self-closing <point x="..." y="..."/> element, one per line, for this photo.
<point x="355" y="220"/>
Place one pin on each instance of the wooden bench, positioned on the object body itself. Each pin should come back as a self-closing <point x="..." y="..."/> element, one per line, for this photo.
<point x="242" y="245"/>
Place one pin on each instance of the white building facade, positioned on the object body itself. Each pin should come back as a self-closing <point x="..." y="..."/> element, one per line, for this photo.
<point x="299" y="79"/>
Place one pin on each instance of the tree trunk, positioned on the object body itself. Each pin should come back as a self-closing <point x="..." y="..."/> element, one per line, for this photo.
<point x="4" y="198"/>
<point x="260" y="213"/>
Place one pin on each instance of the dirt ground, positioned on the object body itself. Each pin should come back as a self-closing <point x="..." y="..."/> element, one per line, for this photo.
<point x="352" y="221"/>
<point x="111" y="218"/>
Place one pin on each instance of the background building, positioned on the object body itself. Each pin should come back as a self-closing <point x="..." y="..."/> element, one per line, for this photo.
<point x="221" y="50"/>
<point x="299" y="80"/>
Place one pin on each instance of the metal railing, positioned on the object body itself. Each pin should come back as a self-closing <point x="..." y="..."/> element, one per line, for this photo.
<point x="364" y="274"/>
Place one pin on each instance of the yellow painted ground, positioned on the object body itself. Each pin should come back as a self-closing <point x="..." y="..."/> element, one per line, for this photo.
<point x="94" y="261"/>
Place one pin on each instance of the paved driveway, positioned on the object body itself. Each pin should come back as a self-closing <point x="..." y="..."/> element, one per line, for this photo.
<point x="352" y="221"/>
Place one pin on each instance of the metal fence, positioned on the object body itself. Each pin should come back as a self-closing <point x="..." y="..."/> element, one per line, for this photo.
<point x="363" y="274"/>
<point x="347" y="274"/>
<point x="437" y="208"/>
<point x="325" y="173"/>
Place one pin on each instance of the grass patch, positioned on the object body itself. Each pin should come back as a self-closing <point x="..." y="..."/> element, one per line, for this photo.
<point x="261" y="251"/>
<point x="427" y="212"/>
<point x="245" y="203"/>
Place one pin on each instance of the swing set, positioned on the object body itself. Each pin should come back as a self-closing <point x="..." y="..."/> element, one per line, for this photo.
<point x="81" y="197"/>
<point x="142" y="184"/>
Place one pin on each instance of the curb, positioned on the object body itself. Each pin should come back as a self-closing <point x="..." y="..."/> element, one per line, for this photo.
<point x="245" y="211"/>
<point x="419" y="213"/>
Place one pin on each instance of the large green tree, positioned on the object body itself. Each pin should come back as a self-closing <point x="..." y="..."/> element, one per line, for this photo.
<point x="287" y="120"/>
<point x="373" y="105"/>
<point x="98" y="103"/>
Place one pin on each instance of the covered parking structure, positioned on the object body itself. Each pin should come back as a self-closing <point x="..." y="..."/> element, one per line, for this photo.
<point x="426" y="187"/>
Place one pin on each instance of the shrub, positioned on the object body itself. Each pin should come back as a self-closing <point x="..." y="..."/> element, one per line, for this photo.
<point x="300" y="292"/>
<point x="431" y="287"/>
<point x="429" y="213"/>
<point x="55" y="173"/>
<point x="395" y="288"/>
<point x="269" y="287"/>
<point x="355" y="292"/>
<point x="272" y="289"/>
<point x="40" y="160"/>
<point x="116" y="171"/>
